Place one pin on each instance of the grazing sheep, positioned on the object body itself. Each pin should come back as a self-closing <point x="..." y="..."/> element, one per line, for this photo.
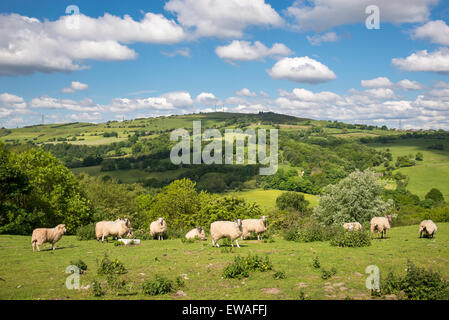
<point x="381" y="225"/>
<point x="197" y="232"/>
<point x="352" y="226"/>
<point x="158" y="228"/>
<point x="428" y="227"/>
<point x="257" y="226"/>
<point x="226" y="229"/>
<point x="42" y="235"/>
<point x="117" y="228"/>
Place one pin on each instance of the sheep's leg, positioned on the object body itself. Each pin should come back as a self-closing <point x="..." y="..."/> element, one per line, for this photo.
<point x="237" y="243"/>
<point x="232" y="243"/>
<point x="38" y="249"/>
<point x="102" y="239"/>
<point x="33" y="245"/>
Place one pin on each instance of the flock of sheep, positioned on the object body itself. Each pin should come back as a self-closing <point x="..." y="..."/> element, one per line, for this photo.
<point x="218" y="230"/>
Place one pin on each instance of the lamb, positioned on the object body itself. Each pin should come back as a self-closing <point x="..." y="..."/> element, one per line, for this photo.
<point x="226" y="229"/>
<point x="42" y="235"/>
<point x="117" y="228"/>
<point x="381" y="225"/>
<point x="197" y="232"/>
<point x="428" y="227"/>
<point x="352" y="226"/>
<point x="257" y="226"/>
<point x="158" y="228"/>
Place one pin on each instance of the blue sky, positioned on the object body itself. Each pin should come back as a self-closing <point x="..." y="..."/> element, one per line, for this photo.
<point x="309" y="59"/>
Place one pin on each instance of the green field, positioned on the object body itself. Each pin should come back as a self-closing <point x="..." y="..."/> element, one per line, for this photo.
<point x="41" y="275"/>
<point x="427" y="174"/>
<point x="267" y="198"/>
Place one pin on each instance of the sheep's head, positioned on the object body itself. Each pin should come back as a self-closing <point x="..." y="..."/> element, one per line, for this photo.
<point x="61" y="227"/>
<point x="161" y="221"/>
<point x="239" y="223"/>
<point x="389" y="217"/>
<point x="264" y="219"/>
<point x="201" y="233"/>
<point x="127" y="223"/>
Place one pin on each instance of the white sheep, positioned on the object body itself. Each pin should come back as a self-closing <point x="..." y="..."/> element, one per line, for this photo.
<point x="42" y="235"/>
<point x="428" y="227"/>
<point x="197" y="232"/>
<point x="381" y="225"/>
<point x="158" y="227"/>
<point x="258" y="226"/>
<point x="226" y="229"/>
<point x="352" y="226"/>
<point x="117" y="228"/>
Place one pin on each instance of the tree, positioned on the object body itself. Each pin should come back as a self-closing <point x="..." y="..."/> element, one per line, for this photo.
<point x="355" y="198"/>
<point x="293" y="201"/>
<point x="435" y="195"/>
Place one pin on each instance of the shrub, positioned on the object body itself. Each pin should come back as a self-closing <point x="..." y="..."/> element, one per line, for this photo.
<point x="256" y="263"/>
<point x="417" y="284"/>
<point x="179" y="281"/>
<point x="86" y="232"/>
<point x="316" y="263"/>
<point x="313" y="231"/>
<point x="241" y="267"/>
<point x="279" y="275"/>
<point x="108" y="266"/>
<point x="326" y="274"/>
<point x="82" y="266"/>
<point x="160" y="285"/>
<point x="97" y="289"/>
<point x="142" y="234"/>
<point x="347" y="238"/>
<point x="293" y="201"/>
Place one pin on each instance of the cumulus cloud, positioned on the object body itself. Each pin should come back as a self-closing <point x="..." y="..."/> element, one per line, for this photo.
<point x="245" y="92"/>
<point x="12" y="101"/>
<point x="301" y="69"/>
<point x="226" y="19"/>
<point x="380" y="82"/>
<point x="433" y="31"/>
<point x="436" y="61"/>
<point x="321" y="15"/>
<point x="207" y="99"/>
<point x="84" y="105"/>
<point x="408" y="85"/>
<point x="245" y="51"/>
<point x="317" y="39"/>
<point x="185" y="52"/>
<point x="75" y="86"/>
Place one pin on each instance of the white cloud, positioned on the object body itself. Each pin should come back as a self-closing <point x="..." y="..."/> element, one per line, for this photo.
<point x="223" y="18"/>
<point x="380" y="82"/>
<point x="185" y="52"/>
<point x="436" y="61"/>
<point x="301" y="69"/>
<point x="85" y="116"/>
<point x="75" y="86"/>
<point x="410" y="85"/>
<point x="179" y="98"/>
<point x="264" y="94"/>
<point x="207" y="99"/>
<point x="433" y="31"/>
<point x="12" y="101"/>
<point x="317" y="39"/>
<point x="320" y="15"/>
<point x="245" y="51"/>
<point x="245" y="92"/>
<point x="380" y="93"/>
<point x="84" y="105"/>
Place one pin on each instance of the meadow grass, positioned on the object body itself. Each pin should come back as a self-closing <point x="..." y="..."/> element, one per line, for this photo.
<point x="41" y="275"/>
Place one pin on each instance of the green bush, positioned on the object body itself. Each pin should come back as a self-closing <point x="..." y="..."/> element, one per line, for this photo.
<point x="86" y="232"/>
<point x="82" y="266"/>
<point x="97" y="289"/>
<point x="417" y="284"/>
<point x="326" y="274"/>
<point x="347" y="238"/>
<point x="142" y="234"/>
<point x="160" y="285"/>
<point x="108" y="266"/>
<point x="316" y="263"/>
<point x="279" y="275"/>
<point x="241" y="267"/>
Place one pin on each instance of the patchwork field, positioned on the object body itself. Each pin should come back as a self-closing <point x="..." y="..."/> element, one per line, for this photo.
<point x="41" y="275"/>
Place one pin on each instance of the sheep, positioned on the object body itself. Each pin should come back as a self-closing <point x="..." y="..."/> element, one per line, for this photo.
<point x="381" y="225"/>
<point x="352" y="226"/>
<point x="158" y="228"/>
<point x="428" y="227"/>
<point x="117" y="228"/>
<point x="226" y="229"/>
<point x="42" y="235"/>
<point x="257" y="226"/>
<point x="197" y="232"/>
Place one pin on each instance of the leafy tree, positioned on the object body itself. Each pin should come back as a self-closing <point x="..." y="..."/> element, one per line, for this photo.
<point x="435" y="195"/>
<point x="355" y="198"/>
<point x="292" y="200"/>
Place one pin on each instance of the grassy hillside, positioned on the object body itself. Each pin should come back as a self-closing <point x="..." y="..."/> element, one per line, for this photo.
<point x="427" y="174"/>
<point x="28" y="275"/>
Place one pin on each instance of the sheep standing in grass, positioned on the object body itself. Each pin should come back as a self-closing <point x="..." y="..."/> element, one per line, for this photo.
<point x="117" y="228"/>
<point x="428" y="227"/>
<point x="352" y="226"/>
<point x="258" y="226"/>
<point x="226" y="229"/>
<point x="158" y="227"/>
<point x="381" y="225"/>
<point x="197" y="232"/>
<point x="42" y="235"/>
